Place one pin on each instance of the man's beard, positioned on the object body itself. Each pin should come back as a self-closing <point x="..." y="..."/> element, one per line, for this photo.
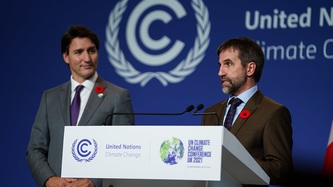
<point x="235" y="85"/>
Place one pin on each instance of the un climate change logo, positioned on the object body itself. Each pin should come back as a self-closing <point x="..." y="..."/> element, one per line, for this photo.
<point x="187" y="66"/>
<point x="84" y="150"/>
<point x="172" y="151"/>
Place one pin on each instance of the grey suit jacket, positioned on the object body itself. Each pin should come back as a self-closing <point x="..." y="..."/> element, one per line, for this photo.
<point x="266" y="134"/>
<point x="44" y="153"/>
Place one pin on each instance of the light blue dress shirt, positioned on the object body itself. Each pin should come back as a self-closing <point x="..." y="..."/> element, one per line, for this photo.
<point x="245" y="96"/>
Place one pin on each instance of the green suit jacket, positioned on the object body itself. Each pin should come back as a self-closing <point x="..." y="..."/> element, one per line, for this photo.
<point x="266" y="134"/>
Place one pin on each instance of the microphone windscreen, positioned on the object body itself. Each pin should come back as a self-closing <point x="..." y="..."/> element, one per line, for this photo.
<point x="200" y="106"/>
<point x="189" y="108"/>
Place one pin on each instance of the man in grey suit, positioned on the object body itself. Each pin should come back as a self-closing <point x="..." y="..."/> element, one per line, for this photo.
<point x="262" y="125"/>
<point x="99" y="99"/>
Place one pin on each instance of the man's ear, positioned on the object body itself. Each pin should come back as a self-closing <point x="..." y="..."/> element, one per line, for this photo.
<point x="65" y="57"/>
<point x="251" y="67"/>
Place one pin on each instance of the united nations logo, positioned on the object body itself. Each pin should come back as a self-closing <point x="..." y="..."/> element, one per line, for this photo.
<point x="151" y="58"/>
<point x="84" y="150"/>
<point x="172" y="151"/>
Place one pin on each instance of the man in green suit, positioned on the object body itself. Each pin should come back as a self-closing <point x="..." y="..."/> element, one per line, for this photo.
<point x="262" y="125"/>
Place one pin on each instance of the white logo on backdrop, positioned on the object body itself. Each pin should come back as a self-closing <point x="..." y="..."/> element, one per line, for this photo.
<point x="125" y="69"/>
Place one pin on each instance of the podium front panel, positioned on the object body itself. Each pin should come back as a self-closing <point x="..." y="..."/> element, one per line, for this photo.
<point x="143" y="152"/>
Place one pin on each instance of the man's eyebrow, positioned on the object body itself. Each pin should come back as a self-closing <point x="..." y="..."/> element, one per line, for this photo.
<point x="227" y="60"/>
<point x="78" y="49"/>
<point x="92" y="47"/>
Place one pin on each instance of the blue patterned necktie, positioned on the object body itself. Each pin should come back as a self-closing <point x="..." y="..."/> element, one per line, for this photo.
<point x="234" y="103"/>
<point x="75" y="107"/>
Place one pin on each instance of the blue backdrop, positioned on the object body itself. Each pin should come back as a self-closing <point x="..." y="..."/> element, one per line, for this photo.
<point x="164" y="53"/>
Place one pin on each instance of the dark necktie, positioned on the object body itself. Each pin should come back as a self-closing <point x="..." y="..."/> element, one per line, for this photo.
<point x="234" y="103"/>
<point x="75" y="107"/>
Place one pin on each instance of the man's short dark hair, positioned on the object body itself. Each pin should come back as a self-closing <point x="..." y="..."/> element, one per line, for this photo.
<point x="77" y="31"/>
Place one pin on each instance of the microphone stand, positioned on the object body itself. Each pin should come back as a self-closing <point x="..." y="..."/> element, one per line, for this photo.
<point x="201" y="106"/>
<point x="188" y="109"/>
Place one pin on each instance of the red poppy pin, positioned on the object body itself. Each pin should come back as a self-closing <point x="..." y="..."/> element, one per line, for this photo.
<point x="245" y="114"/>
<point x="99" y="90"/>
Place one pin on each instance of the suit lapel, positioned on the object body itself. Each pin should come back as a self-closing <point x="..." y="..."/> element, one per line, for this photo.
<point x="253" y="103"/>
<point x="93" y="103"/>
<point x="64" y="99"/>
<point x="221" y="111"/>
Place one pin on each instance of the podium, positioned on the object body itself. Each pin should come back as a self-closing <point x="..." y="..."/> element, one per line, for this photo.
<point x="141" y="156"/>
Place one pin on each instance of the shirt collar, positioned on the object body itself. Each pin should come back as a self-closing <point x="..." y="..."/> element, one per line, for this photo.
<point x="245" y="96"/>
<point x="89" y="83"/>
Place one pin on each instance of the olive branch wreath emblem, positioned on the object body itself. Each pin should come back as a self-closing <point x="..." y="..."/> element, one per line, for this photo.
<point x="125" y="69"/>
<point x="80" y="159"/>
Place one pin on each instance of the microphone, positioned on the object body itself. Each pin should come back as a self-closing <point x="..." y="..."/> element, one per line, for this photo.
<point x="201" y="106"/>
<point x="188" y="109"/>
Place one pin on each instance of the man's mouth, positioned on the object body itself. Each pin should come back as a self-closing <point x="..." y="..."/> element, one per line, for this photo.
<point x="86" y="65"/>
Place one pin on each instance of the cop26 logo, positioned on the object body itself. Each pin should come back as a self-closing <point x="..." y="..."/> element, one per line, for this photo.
<point x="138" y="33"/>
<point x="84" y="150"/>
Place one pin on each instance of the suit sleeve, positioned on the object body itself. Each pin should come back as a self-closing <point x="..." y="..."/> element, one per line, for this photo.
<point x="123" y="105"/>
<point x="36" y="154"/>
<point x="277" y="145"/>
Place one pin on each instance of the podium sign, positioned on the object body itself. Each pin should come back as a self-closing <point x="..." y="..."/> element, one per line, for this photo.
<point x="143" y="152"/>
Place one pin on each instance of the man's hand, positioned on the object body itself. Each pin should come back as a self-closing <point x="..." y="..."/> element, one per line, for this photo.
<point x="59" y="182"/>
